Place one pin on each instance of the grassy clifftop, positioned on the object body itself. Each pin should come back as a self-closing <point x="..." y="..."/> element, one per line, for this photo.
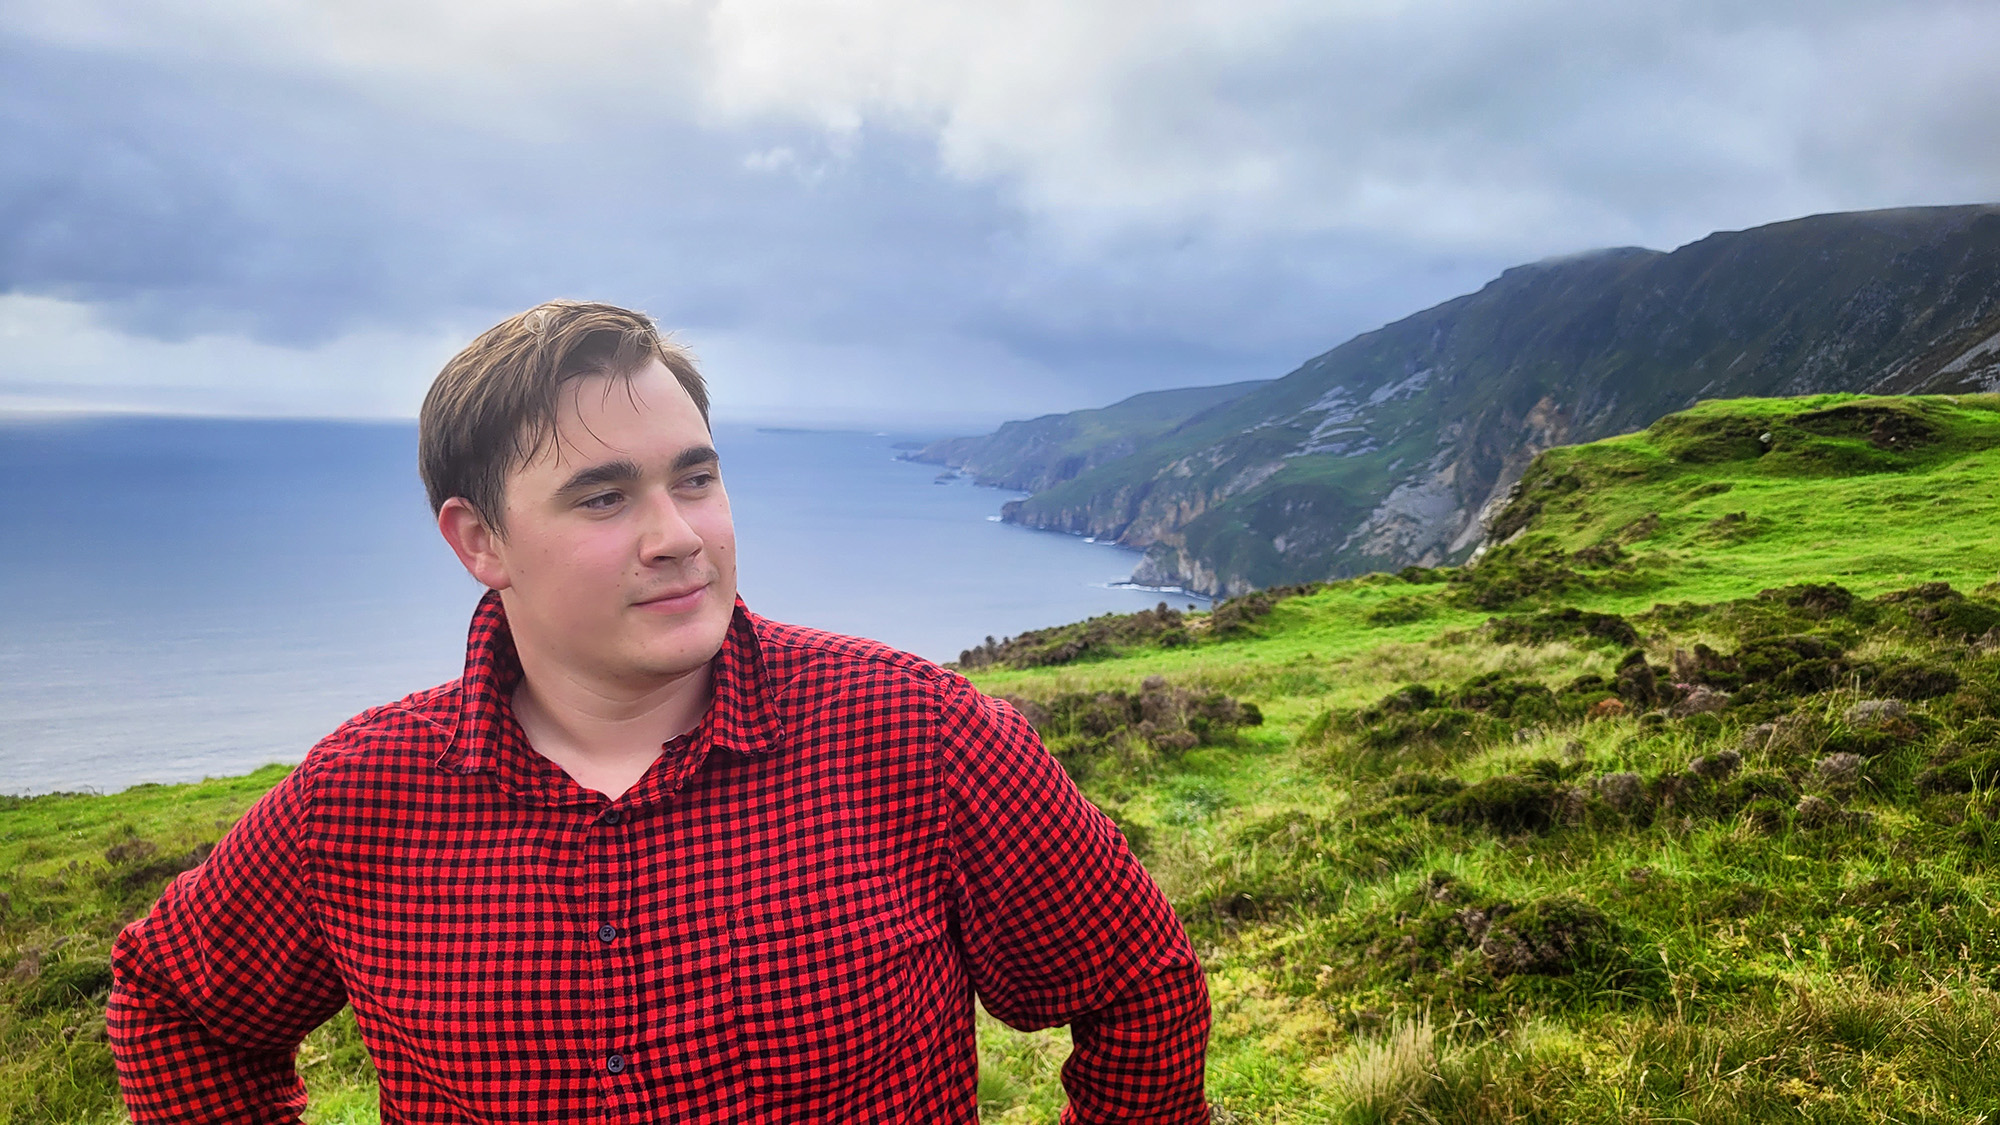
<point x="1679" y="805"/>
<point x="1675" y="806"/>
<point x="1714" y="501"/>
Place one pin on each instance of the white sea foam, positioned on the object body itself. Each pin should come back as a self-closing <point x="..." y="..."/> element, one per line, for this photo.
<point x="1178" y="590"/>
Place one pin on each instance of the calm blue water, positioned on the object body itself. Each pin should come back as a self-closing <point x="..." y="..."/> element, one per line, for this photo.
<point x="182" y="598"/>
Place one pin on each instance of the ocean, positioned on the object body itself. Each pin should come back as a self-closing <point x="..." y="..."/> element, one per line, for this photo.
<point x="182" y="598"/>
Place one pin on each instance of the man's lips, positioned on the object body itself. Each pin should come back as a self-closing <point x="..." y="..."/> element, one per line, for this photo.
<point x="669" y="600"/>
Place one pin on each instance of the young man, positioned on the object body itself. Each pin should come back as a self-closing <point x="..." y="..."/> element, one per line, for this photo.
<point x="653" y="857"/>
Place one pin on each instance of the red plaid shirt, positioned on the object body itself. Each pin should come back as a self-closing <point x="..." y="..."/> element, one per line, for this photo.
<point x="786" y="919"/>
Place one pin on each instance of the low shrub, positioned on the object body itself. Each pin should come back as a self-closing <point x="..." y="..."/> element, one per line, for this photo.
<point x="1085" y="729"/>
<point x="1507" y="803"/>
<point x="1096" y="638"/>
<point x="1568" y="623"/>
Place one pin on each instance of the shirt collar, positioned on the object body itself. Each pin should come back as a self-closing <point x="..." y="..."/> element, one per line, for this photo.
<point x="740" y="717"/>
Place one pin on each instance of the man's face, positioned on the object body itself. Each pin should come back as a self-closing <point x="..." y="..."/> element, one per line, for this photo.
<point x="618" y="556"/>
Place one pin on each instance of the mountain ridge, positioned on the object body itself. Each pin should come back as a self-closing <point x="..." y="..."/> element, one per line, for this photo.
<point x="1042" y="452"/>
<point x="1384" y="451"/>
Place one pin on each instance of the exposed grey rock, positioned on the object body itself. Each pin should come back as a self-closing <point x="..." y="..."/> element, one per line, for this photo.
<point x="1757" y="737"/>
<point x="1817" y="812"/>
<point x="1870" y="712"/>
<point x="1838" y="769"/>
<point x="1716" y="766"/>
<point x="1701" y="700"/>
<point x="1622" y="791"/>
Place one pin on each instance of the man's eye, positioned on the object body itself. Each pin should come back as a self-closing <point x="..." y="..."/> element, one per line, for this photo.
<point x="699" y="480"/>
<point x="600" y="501"/>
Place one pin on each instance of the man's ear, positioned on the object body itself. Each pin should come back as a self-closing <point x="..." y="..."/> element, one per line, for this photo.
<point x="477" y="545"/>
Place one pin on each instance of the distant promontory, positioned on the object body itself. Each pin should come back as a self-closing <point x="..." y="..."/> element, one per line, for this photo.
<point x="1383" y="452"/>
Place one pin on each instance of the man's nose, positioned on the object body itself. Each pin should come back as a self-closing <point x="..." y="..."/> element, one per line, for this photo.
<point x="666" y="535"/>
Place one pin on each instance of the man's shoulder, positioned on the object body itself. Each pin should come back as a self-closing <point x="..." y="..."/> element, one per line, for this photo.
<point x="818" y="679"/>
<point x="419" y="724"/>
<point x="800" y="657"/>
<point x="388" y="749"/>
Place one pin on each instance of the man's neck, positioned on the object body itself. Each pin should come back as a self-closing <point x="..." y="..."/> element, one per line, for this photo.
<point x="604" y="736"/>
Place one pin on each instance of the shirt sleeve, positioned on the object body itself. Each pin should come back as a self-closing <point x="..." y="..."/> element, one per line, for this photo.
<point x="213" y="990"/>
<point x="1061" y="925"/>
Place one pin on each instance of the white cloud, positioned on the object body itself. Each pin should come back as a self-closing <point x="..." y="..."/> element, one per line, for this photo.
<point x="524" y="67"/>
<point x="60" y="355"/>
<point x="1464" y="124"/>
<point x="928" y="380"/>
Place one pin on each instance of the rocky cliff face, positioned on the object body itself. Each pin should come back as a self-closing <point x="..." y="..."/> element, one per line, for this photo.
<point x="1042" y="452"/>
<point x="1382" y="452"/>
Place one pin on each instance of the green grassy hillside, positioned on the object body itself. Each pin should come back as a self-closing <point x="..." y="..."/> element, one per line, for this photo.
<point x="1679" y="805"/>
<point x="73" y="870"/>
<point x="1675" y="807"/>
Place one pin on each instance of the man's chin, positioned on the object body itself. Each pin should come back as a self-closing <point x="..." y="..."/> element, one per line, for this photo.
<point x="683" y="648"/>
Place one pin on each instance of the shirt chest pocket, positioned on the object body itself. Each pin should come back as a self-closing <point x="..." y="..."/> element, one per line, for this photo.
<point x="821" y="980"/>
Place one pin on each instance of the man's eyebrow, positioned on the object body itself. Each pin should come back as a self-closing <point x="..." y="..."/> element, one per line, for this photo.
<point x="696" y="455"/>
<point x="625" y="469"/>
<point x="608" y="472"/>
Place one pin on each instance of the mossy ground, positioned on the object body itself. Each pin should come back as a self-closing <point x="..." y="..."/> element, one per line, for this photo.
<point x="74" y="869"/>
<point x="1590" y="831"/>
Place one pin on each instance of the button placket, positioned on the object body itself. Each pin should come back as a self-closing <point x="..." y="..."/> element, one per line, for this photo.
<point x="607" y="932"/>
<point x="608" y="850"/>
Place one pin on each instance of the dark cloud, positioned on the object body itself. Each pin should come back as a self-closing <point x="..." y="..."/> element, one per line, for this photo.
<point x="183" y="201"/>
<point x="1068" y="220"/>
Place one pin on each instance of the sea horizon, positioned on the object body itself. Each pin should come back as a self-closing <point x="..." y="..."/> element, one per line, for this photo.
<point x="187" y="596"/>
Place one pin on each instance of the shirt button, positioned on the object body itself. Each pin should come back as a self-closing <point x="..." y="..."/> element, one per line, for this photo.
<point x="614" y="818"/>
<point x="607" y="932"/>
<point x="615" y="1064"/>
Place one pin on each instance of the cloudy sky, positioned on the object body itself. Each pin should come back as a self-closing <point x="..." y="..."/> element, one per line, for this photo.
<point x="882" y="211"/>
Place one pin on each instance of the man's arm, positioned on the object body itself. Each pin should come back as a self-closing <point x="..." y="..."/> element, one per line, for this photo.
<point x="1062" y="926"/>
<point x="212" y="991"/>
